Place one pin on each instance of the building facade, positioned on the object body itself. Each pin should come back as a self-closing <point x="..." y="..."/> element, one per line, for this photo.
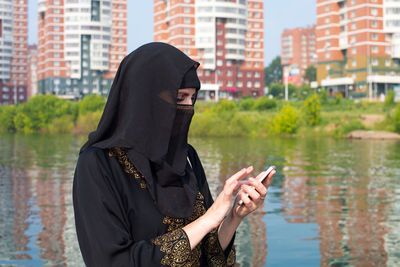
<point x="13" y="51"/>
<point x="358" y="46"/>
<point x="80" y="45"/>
<point x="297" y="53"/>
<point x="32" y="71"/>
<point x="226" y="37"/>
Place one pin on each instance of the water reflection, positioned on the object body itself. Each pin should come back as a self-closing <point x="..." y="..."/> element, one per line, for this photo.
<point x="332" y="203"/>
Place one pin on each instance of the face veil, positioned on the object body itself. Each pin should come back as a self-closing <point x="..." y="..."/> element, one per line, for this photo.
<point x="142" y="116"/>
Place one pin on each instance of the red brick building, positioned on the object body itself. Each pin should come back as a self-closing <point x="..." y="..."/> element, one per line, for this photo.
<point x="14" y="52"/>
<point x="226" y="37"/>
<point x="297" y="53"/>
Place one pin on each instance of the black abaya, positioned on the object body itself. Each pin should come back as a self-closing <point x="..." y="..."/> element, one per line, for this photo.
<point x="118" y="223"/>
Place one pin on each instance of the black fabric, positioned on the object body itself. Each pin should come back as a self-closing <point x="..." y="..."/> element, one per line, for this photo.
<point x="140" y="115"/>
<point x="190" y="80"/>
<point x="116" y="220"/>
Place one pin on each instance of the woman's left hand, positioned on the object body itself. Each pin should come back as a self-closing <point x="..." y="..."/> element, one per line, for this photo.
<point x="252" y="194"/>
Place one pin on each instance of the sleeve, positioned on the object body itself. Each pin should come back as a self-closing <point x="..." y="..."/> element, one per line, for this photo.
<point x="211" y="247"/>
<point x="102" y="226"/>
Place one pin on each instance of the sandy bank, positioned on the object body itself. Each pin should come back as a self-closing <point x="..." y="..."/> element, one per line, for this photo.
<point x="374" y="135"/>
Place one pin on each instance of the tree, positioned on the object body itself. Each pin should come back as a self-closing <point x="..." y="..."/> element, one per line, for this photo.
<point x="273" y="73"/>
<point x="311" y="74"/>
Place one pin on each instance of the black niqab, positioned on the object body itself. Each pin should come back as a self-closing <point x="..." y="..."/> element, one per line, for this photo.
<point x="141" y="115"/>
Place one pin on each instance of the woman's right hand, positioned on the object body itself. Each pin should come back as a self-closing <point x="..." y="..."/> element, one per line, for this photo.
<point x="220" y="208"/>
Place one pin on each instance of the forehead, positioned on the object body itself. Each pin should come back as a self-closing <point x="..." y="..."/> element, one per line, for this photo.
<point x="187" y="91"/>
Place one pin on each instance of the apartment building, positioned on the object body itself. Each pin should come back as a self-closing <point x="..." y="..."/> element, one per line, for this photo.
<point x="13" y="51"/>
<point x="358" y="46"/>
<point x="80" y="45"/>
<point x="32" y="71"/>
<point x="226" y="37"/>
<point x="297" y="53"/>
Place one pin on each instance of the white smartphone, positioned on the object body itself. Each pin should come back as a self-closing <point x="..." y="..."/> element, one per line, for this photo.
<point x="262" y="178"/>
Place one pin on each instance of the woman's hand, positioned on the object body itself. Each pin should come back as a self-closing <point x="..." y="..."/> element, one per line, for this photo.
<point x="220" y="208"/>
<point x="252" y="194"/>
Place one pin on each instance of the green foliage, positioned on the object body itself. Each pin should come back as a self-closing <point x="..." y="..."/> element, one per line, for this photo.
<point x="338" y="99"/>
<point x="323" y="96"/>
<point x="287" y="121"/>
<point x="277" y="90"/>
<point x="396" y="119"/>
<point x="304" y="91"/>
<point x="7" y="114"/>
<point x="62" y="125"/>
<point x="246" y="104"/>
<point x="273" y="72"/>
<point x="389" y="100"/>
<point x="264" y="103"/>
<point x="312" y="110"/>
<point x="87" y="122"/>
<point x="311" y="73"/>
<point x="91" y="103"/>
<point x="345" y="128"/>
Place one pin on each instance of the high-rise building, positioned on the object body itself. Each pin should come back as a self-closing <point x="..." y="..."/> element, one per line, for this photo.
<point x="32" y="71"/>
<point x="226" y="37"/>
<point x="358" y="46"/>
<point x="13" y="51"/>
<point x="80" y="45"/>
<point x="298" y="53"/>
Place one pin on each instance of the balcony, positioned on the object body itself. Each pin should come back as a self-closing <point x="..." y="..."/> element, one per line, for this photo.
<point x="343" y="43"/>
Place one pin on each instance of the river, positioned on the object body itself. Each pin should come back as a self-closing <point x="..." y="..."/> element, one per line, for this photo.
<point x="333" y="202"/>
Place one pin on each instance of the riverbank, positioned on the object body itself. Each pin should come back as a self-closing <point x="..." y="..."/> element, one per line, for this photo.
<point x="246" y="117"/>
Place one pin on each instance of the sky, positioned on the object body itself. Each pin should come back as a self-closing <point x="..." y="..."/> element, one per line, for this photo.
<point x="278" y="15"/>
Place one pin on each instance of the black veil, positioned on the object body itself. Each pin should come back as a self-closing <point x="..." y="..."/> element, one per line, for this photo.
<point x="139" y="115"/>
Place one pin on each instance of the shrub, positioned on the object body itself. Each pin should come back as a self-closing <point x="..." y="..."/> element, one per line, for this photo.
<point x="389" y="100"/>
<point x="287" y="121"/>
<point x="264" y="103"/>
<point x="338" y="99"/>
<point x="323" y="96"/>
<point x="62" y="125"/>
<point x="246" y="104"/>
<point x="91" y="103"/>
<point x="312" y="110"/>
<point x="348" y="127"/>
<point x="396" y="119"/>
<point x="7" y="115"/>
<point x="88" y="122"/>
<point x="277" y="90"/>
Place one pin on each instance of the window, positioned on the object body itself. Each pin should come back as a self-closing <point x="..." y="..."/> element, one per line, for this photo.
<point x="354" y="50"/>
<point x="353" y="26"/>
<point x="387" y="62"/>
<point x="249" y="84"/>
<point x="186" y="10"/>
<point x="229" y="73"/>
<point x="374" y="24"/>
<point x="374" y="36"/>
<point x="374" y="49"/>
<point x="240" y="74"/>
<point x="354" y="63"/>
<point x="374" y="12"/>
<point x="219" y="62"/>
<point x="248" y="74"/>
<point x="186" y="31"/>
<point x="374" y="62"/>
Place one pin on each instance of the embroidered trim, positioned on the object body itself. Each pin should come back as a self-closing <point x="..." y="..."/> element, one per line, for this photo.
<point x="176" y="247"/>
<point x="129" y="168"/>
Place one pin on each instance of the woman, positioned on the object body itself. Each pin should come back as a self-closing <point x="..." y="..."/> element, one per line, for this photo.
<point x="140" y="193"/>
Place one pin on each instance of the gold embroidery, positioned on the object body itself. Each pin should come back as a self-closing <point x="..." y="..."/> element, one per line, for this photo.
<point x="176" y="247"/>
<point x="129" y="168"/>
<point x="210" y="244"/>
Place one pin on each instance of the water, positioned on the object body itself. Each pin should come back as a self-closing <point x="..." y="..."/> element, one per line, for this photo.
<point x="332" y="202"/>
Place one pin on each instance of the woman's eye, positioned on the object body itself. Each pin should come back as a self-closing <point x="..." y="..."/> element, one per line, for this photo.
<point x="180" y="99"/>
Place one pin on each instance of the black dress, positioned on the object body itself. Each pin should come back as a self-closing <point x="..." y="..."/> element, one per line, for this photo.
<point x="118" y="223"/>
